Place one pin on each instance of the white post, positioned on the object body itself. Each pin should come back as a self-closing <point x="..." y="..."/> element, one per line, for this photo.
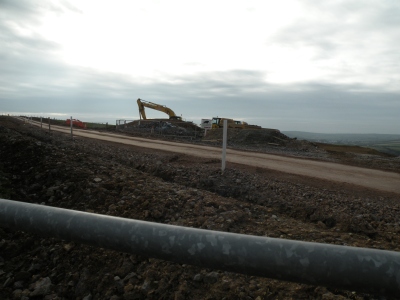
<point x="224" y="139"/>
<point x="71" y="129"/>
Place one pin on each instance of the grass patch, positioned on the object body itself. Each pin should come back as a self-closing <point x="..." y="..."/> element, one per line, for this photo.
<point x="389" y="147"/>
<point x="89" y="125"/>
<point x="98" y="125"/>
<point x="343" y="149"/>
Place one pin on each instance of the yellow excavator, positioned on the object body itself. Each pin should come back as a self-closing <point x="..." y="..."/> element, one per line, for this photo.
<point x="143" y="103"/>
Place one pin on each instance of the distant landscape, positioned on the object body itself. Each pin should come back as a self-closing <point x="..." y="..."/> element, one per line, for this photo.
<point x="388" y="143"/>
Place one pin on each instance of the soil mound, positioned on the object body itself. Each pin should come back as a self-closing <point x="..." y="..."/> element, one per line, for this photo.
<point x="249" y="136"/>
<point x="44" y="167"/>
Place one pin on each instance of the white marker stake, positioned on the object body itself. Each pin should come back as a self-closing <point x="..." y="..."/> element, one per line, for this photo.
<point x="224" y="139"/>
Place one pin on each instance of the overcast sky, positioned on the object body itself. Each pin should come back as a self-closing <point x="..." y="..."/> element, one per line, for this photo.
<point x="318" y="66"/>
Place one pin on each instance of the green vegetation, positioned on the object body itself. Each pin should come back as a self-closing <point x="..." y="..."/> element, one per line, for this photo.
<point x="46" y="120"/>
<point x="387" y="143"/>
<point x="337" y="149"/>
<point x="98" y="125"/>
<point x="89" y="125"/>
<point x="392" y="147"/>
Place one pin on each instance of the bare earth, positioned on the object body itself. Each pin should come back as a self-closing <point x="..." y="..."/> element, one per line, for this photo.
<point x="297" y="191"/>
<point x="369" y="178"/>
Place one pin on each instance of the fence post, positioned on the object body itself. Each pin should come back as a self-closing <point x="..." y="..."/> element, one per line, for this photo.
<point x="49" y="124"/>
<point x="72" y="137"/>
<point x="224" y="140"/>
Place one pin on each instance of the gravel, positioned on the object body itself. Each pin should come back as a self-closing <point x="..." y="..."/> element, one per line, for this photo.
<point x="131" y="182"/>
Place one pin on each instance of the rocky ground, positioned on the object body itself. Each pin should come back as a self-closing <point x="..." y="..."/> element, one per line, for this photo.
<point x="49" y="168"/>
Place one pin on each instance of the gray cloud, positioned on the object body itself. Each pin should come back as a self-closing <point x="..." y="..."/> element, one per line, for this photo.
<point x="339" y="26"/>
<point x="312" y="107"/>
<point x="28" y="11"/>
<point x="34" y="80"/>
<point x="18" y="9"/>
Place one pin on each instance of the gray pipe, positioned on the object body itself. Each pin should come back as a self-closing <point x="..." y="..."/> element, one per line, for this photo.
<point x="357" y="269"/>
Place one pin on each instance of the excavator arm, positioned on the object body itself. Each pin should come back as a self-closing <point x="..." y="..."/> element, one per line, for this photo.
<point x="142" y="113"/>
<point x="143" y="103"/>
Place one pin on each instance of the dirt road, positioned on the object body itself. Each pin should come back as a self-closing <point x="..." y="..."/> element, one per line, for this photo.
<point x="369" y="178"/>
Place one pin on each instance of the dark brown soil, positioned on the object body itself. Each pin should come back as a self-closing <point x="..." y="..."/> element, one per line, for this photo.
<point x="50" y="168"/>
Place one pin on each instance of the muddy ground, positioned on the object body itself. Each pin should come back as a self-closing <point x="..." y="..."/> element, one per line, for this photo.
<point x="49" y="168"/>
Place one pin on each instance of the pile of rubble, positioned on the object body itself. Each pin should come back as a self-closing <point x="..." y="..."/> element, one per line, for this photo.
<point x="111" y="179"/>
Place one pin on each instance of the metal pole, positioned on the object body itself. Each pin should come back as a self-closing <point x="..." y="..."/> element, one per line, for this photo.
<point x="41" y="122"/>
<point x="357" y="269"/>
<point x="224" y="139"/>
<point x="72" y="137"/>
<point x="49" y="124"/>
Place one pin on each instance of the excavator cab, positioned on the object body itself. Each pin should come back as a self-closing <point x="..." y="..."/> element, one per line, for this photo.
<point x="216" y="123"/>
<point x="219" y="122"/>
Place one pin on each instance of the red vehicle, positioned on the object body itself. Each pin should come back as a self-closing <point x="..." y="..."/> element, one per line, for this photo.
<point x="76" y="123"/>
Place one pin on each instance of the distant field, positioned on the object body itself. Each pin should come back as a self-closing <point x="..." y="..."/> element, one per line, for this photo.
<point x="338" y="149"/>
<point x="387" y="143"/>
<point x="98" y="125"/>
<point x="388" y="147"/>
<point x="59" y="122"/>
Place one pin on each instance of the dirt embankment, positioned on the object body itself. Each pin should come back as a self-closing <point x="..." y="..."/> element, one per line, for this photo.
<point x="106" y="178"/>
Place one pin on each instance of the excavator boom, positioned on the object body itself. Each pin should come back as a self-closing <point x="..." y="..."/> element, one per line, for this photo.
<point x="143" y="103"/>
<point x="142" y="113"/>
